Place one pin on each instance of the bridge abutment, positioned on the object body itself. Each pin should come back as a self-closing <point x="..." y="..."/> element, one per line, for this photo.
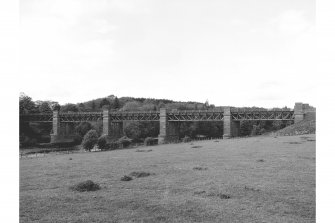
<point x="299" y="113"/>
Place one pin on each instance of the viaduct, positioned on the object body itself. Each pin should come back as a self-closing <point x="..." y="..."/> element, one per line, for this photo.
<point x="63" y="123"/>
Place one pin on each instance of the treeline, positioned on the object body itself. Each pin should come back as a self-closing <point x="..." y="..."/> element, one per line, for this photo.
<point x="138" y="131"/>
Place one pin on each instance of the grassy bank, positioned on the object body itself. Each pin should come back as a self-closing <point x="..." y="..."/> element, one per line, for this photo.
<point x="256" y="179"/>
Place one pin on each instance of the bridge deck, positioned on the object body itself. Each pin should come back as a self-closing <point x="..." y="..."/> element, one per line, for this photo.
<point x="175" y="115"/>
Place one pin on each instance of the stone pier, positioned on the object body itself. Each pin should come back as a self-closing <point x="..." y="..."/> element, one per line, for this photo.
<point x="230" y="128"/>
<point x="168" y="131"/>
<point x="113" y="130"/>
<point x="55" y="133"/>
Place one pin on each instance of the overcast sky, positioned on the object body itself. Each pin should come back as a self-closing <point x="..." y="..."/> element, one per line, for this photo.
<point x="231" y="52"/>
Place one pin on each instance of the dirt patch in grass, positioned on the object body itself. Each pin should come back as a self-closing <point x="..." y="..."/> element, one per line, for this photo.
<point x="126" y="178"/>
<point x="143" y="150"/>
<point x="219" y="195"/>
<point x="140" y="174"/>
<point x="194" y="147"/>
<point x="199" y="192"/>
<point x="88" y="185"/>
<point x="251" y="189"/>
<point x="293" y="142"/>
<point x="260" y="161"/>
<point x="199" y="168"/>
<point x="212" y="194"/>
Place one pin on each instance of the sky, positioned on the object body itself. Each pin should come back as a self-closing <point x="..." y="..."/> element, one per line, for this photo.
<point x="231" y="52"/>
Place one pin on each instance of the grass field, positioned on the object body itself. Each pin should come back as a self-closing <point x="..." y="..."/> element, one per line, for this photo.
<point x="257" y="179"/>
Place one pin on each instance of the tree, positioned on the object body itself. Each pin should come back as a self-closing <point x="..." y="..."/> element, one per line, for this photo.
<point x="115" y="103"/>
<point x="56" y="107"/>
<point x="93" y="106"/>
<point x="69" y="108"/>
<point x="83" y="128"/>
<point x="45" y="108"/>
<point x="207" y="104"/>
<point x="90" y="140"/>
<point x="81" y="107"/>
<point x="133" y="131"/>
<point x="148" y="107"/>
<point x="104" y="102"/>
<point x="26" y="104"/>
<point x="132" y="106"/>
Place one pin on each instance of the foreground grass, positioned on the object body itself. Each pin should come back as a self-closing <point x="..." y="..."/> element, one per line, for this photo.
<point x="259" y="179"/>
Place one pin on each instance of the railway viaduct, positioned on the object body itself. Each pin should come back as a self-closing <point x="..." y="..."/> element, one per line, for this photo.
<point x="169" y="120"/>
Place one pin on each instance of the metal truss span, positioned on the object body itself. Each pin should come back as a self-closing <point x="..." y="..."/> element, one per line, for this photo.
<point x="134" y="116"/>
<point x="191" y="116"/>
<point x="80" y="117"/>
<point x="262" y="115"/>
<point x="177" y="116"/>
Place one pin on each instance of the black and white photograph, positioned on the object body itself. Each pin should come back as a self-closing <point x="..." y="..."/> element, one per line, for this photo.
<point x="167" y="111"/>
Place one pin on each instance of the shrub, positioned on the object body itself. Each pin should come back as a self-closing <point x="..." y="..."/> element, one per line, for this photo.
<point x="102" y="142"/>
<point x="112" y="146"/>
<point x="140" y="174"/>
<point x="262" y="131"/>
<point x="126" y="178"/>
<point x="88" y="185"/>
<point x="90" y="139"/>
<point x="124" y="141"/>
<point x="83" y="128"/>
<point x="149" y="141"/>
<point x="186" y="139"/>
<point x="255" y="130"/>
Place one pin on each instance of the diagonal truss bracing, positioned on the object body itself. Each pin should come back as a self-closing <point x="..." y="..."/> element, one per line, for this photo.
<point x="134" y="116"/>
<point x="262" y="115"/>
<point x="181" y="116"/>
<point x="191" y="116"/>
<point x="80" y="117"/>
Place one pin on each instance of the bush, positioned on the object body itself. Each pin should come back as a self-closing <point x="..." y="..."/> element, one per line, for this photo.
<point x="255" y="130"/>
<point x="124" y="141"/>
<point x="262" y="131"/>
<point x="90" y="139"/>
<point x="102" y="142"/>
<point x="140" y="174"/>
<point x="83" y="128"/>
<point x="186" y="139"/>
<point x="88" y="185"/>
<point x="149" y="141"/>
<point x="112" y="146"/>
<point x="126" y="178"/>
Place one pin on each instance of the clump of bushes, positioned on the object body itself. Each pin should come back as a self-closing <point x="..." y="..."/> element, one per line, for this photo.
<point x="140" y="174"/>
<point x="124" y="141"/>
<point x="194" y="147"/>
<point x="126" y="178"/>
<point x="220" y="195"/>
<point x="88" y="185"/>
<point x="149" y="141"/>
<point x="102" y="142"/>
<point x="90" y="140"/>
<point x="143" y="150"/>
<point x="199" y="168"/>
<point x="186" y="139"/>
